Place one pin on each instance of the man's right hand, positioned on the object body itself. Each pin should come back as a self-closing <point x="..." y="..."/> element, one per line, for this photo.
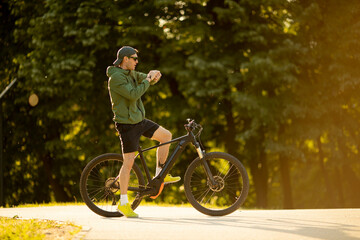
<point x="154" y="76"/>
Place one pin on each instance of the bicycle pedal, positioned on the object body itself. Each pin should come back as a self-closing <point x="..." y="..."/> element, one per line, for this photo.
<point x="160" y="190"/>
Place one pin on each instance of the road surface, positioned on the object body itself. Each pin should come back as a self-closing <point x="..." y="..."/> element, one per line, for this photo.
<point x="172" y="223"/>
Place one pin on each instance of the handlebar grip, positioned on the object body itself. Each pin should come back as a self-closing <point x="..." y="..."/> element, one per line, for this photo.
<point x="192" y="124"/>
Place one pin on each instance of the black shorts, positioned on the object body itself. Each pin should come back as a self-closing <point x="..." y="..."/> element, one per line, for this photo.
<point x="130" y="134"/>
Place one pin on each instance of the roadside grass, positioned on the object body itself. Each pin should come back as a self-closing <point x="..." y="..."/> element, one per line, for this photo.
<point x="34" y="229"/>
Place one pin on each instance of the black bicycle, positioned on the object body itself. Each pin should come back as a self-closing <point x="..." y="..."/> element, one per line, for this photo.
<point x="215" y="183"/>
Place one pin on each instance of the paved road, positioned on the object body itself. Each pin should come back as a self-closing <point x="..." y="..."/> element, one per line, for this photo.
<point x="172" y="223"/>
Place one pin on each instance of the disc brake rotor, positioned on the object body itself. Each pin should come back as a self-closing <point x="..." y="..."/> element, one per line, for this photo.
<point x="220" y="184"/>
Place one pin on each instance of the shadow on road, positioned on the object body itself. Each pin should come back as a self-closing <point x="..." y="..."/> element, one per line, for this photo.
<point x="309" y="228"/>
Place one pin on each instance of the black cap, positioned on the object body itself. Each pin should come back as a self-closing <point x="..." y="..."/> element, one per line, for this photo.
<point x="125" y="51"/>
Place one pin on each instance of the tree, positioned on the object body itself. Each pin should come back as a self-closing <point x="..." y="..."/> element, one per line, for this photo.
<point x="257" y="74"/>
<point x="238" y="82"/>
<point x="327" y="94"/>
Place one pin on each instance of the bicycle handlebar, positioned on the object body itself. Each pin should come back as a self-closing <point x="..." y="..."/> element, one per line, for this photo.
<point x="192" y="125"/>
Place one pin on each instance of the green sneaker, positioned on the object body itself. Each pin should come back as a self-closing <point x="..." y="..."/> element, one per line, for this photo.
<point x="127" y="211"/>
<point x="170" y="179"/>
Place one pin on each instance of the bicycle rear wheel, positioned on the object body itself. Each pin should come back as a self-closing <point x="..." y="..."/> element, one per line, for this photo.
<point x="99" y="190"/>
<point x="232" y="184"/>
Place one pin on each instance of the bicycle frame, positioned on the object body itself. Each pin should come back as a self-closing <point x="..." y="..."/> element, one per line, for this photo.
<point x="154" y="184"/>
<point x="183" y="142"/>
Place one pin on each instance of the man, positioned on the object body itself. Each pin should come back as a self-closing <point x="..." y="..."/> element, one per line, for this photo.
<point x="126" y="86"/>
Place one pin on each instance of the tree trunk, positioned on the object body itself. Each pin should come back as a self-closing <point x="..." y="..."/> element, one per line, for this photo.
<point x="285" y="177"/>
<point x="259" y="172"/>
<point x="349" y="180"/>
<point x="263" y="169"/>
<point x="174" y="87"/>
<point x="231" y="145"/>
<point x="352" y="183"/>
<point x="286" y="183"/>
<point x="338" y="183"/>
<point x="325" y="176"/>
<point x="60" y="194"/>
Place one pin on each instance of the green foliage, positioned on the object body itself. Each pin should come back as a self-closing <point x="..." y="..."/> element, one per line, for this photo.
<point x="273" y="82"/>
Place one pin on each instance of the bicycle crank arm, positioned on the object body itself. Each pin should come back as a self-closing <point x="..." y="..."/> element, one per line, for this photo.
<point x="153" y="189"/>
<point x="160" y="190"/>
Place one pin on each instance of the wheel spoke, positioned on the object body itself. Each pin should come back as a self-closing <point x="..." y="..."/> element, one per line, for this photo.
<point x="203" y="195"/>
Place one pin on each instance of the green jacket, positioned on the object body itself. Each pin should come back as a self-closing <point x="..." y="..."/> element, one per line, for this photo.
<point x="126" y="88"/>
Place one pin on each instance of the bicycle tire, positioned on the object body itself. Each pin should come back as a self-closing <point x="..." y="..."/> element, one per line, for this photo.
<point x="232" y="188"/>
<point x="95" y="177"/>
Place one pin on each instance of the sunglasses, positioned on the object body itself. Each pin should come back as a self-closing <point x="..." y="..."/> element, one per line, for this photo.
<point x="135" y="58"/>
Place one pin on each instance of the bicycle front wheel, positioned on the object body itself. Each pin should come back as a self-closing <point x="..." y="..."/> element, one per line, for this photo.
<point x="101" y="192"/>
<point x="230" y="190"/>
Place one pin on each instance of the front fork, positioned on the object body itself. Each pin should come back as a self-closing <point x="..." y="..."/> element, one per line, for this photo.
<point x="205" y="164"/>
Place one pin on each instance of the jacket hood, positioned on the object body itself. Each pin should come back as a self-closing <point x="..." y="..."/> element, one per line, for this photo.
<point x="112" y="70"/>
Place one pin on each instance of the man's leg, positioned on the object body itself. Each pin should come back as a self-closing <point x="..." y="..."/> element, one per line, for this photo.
<point x="124" y="206"/>
<point x="162" y="135"/>
<point x="125" y="171"/>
